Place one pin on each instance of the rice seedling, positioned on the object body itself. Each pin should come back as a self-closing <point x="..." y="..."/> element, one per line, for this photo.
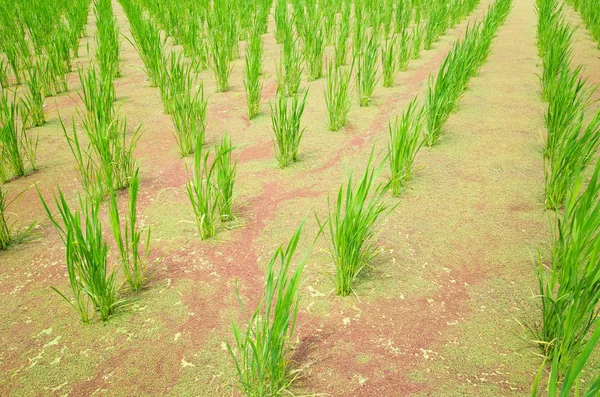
<point x="33" y="100"/>
<point x="366" y="74"/>
<point x="402" y="15"/>
<point x="286" y="128"/>
<point x="128" y="238"/>
<point x="225" y="175"/>
<point x="337" y="96"/>
<point x="221" y="59"/>
<point x="189" y="117"/>
<point x="342" y="36"/>
<point x="590" y="13"/>
<point x="261" y="351"/>
<point x="281" y="20"/>
<point x="314" y="47"/>
<point x="15" y="144"/>
<point x="202" y="192"/>
<point x="418" y="33"/>
<point x="351" y="224"/>
<point x="570" y="291"/>
<point x="252" y="71"/>
<point x="404" y="144"/>
<point x="389" y="64"/>
<point x="9" y="235"/>
<point x="86" y="255"/>
<point x="404" y="50"/>
<point x="289" y="72"/>
<point x="436" y="24"/>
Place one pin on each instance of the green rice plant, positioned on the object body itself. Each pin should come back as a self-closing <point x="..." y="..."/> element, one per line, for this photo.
<point x="92" y="283"/>
<point x="221" y="60"/>
<point x="286" y="128"/>
<point x="225" y="175"/>
<point x="366" y="74"/>
<point x="128" y="238"/>
<point x="342" y="36"/>
<point x="261" y="351"/>
<point x="404" y="144"/>
<point x="98" y="97"/>
<point x="281" y="20"/>
<point x="16" y="146"/>
<point x="418" y="34"/>
<point x="107" y="162"/>
<point x="570" y="291"/>
<point x="289" y="71"/>
<point x="9" y="235"/>
<point x="314" y="48"/>
<point x="203" y="193"/>
<point x="404" y="50"/>
<point x="402" y="15"/>
<point x="351" y="224"/>
<point x="33" y="100"/>
<point x="389" y="64"/>
<point x="252" y="83"/>
<point x="189" y="117"/>
<point x="337" y="96"/>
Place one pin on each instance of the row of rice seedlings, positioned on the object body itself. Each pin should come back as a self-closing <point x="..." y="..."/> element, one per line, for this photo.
<point x="555" y="36"/>
<point x="17" y="147"/>
<point x="569" y="292"/>
<point x="351" y="223"/>
<point x="210" y="187"/>
<point x="590" y="13"/>
<point x="404" y="144"/>
<point x="107" y="40"/>
<point x="261" y="350"/>
<point x="462" y="63"/>
<point x="9" y="233"/>
<point x="149" y="43"/>
<point x="128" y="237"/>
<point x="253" y="69"/>
<point x="289" y="71"/>
<point x="337" y="95"/>
<point x="285" y="121"/>
<point x="571" y="144"/>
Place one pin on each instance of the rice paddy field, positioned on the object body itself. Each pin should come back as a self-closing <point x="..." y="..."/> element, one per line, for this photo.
<point x="299" y="197"/>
